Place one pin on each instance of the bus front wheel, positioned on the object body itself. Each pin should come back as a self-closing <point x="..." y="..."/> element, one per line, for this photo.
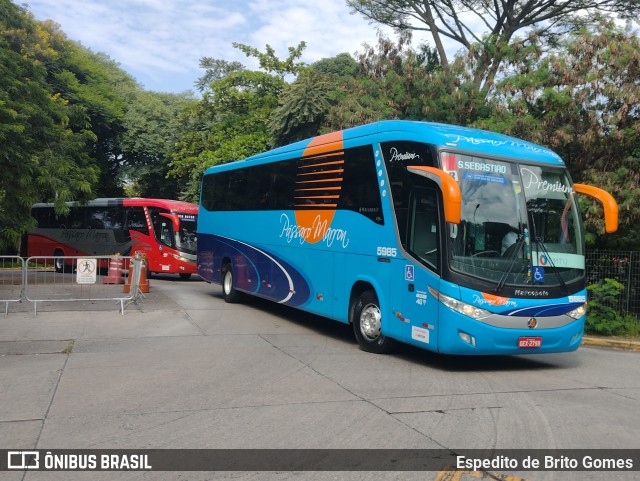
<point x="367" y="324"/>
<point x="229" y="292"/>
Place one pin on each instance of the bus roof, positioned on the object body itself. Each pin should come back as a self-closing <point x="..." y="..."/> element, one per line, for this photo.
<point x="442" y="135"/>
<point x="173" y="205"/>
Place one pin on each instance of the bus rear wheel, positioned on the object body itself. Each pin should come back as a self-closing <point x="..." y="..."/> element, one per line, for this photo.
<point x="230" y="294"/>
<point x="367" y="324"/>
<point x="58" y="262"/>
<point x="185" y="277"/>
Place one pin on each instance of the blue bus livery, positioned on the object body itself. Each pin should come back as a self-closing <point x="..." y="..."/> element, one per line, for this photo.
<point x="452" y="239"/>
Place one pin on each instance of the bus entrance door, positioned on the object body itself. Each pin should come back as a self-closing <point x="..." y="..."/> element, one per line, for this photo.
<point x="422" y="243"/>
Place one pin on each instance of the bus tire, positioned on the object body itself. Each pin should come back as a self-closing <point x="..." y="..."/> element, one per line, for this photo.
<point x="367" y="324"/>
<point x="185" y="277"/>
<point x="229" y="292"/>
<point x="58" y="262"/>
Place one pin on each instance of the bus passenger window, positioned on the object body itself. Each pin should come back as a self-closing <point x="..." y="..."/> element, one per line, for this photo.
<point x="136" y="220"/>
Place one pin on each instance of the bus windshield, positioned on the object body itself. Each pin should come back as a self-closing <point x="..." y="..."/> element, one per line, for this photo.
<point x="175" y="230"/>
<point x="186" y="238"/>
<point x="519" y="224"/>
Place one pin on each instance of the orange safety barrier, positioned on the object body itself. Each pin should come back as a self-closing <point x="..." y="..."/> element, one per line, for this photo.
<point x="116" y="265"/>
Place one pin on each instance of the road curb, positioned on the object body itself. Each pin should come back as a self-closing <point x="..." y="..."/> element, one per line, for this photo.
<point x="625" y="344"/>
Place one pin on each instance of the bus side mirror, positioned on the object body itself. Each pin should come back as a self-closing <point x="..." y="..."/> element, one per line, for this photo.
<point x="608" y="203"/>
<point x="175" y="221"/>
<point x="451" y="194"/>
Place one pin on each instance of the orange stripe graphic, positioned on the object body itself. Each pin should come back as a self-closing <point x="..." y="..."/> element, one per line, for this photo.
<point x="316" y="221"/>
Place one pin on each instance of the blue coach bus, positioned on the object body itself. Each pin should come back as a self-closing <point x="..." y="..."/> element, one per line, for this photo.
<point x="451" y="239"/>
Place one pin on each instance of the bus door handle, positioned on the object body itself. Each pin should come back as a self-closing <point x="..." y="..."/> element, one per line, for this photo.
<point x="411" y="287"/>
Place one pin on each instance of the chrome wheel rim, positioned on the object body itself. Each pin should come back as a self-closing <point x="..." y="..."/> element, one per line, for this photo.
<point x="228" y="282"/>
<point x="370" y="322"/>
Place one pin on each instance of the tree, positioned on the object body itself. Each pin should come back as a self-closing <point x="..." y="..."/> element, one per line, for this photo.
<point x="215" y="69"/>
<point x="395" y="81"/>
<point x="43" y="155"/>
<point x="150" y="126"/>
<point x="231" y="121"/>
<point x="271" y="64"/>
<point x="99" y="91"/>
<point x="501" y="20"/>
<point x="304" y="104"/>
<point x="341" y="66"/>
<point x="302" y="108"/>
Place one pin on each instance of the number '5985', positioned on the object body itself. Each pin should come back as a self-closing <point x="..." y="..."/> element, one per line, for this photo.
<point x="387" y="251"/>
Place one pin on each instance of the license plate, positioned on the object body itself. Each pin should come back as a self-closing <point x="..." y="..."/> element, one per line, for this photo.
<point x="529" y="342"/>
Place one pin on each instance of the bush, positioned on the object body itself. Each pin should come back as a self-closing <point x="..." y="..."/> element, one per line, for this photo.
<point x="602" y="319"/>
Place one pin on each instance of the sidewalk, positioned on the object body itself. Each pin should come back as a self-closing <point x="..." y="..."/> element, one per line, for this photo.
<point x="632" y="344"/>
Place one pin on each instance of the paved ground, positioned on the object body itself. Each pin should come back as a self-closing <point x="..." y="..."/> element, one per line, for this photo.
<point x="190" y="371"/>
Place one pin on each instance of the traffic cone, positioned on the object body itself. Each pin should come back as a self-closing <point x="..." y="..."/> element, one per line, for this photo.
<point x="116" y="264"/>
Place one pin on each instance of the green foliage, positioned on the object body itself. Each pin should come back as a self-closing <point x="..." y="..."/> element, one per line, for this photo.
<point x="272" y="64"/>
<point x="150" y="126"/>
<point x="623" y="182"/>
<point x="231" y="121"/>
<point x="461" y="21"/>
<point x="301" y="110"/>
<point x="602" y="318"/>
<point x="215" y="69"/>
<point x="43" y="149"/>
<point x="338" y="67"/>
<point x="384" y="86"/>
<point x="72" y="124"/>
<point x="395" y="81"/>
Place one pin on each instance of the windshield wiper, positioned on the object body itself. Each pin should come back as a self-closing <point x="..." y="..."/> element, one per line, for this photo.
<point x="513" y="258"/>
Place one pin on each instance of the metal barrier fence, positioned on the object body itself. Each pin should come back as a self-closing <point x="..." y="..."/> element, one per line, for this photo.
<point x="623" y="266"/>
<point x="12" y="270"/>
<point x="67" y="279"/>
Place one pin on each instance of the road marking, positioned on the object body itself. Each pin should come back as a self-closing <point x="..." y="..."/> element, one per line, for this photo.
<point x="451" y="474"/>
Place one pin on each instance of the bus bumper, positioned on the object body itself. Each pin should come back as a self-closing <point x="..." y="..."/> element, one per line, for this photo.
<point x="467" y="336"/>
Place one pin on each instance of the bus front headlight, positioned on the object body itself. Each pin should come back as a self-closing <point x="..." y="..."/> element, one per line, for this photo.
<point x="578" y="312"/>
<point x="463" y="308"/>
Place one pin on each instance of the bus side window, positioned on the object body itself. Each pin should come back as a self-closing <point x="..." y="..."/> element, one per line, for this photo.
<point x="136" y="220"/>
<point x="360" y="192"/>
<point x="78" y="218"/>
<point x="96" y="218"/>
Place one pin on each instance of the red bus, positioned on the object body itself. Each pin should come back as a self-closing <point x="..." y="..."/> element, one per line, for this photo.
<point x="164" y="230"/>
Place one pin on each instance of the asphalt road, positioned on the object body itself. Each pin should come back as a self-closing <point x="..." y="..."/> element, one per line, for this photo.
<point x="190" y="371"/>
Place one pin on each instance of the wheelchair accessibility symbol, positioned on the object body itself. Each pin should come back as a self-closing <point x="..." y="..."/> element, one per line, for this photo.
<point x="408" y="273"/>
<point x="538" y="274"/>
